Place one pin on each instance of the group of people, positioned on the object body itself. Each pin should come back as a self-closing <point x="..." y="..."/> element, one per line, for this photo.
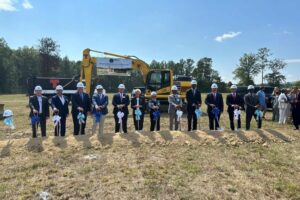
<point x="82" y="104"/>
<point x="286" y="104"/>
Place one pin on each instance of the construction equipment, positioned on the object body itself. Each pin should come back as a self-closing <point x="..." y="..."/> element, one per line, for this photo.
<point x="158" y="80"/>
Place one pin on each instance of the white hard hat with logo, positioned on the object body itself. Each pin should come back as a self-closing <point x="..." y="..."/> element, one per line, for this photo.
<point x="121" y="86"/>
<point x="80" y="85"/>
<point x="250" y="87"/>
<point x="8" y="113"/>
<point x="59" y="87"/>
<point x="38" y="88"/>
<point x="233" y="87"/>
<point x="174" y="88"/>
<point x="214" y="86"/>
<point x="99" y="87"/>
<point x="194" y="82"/>
<point x="153" y="93"/>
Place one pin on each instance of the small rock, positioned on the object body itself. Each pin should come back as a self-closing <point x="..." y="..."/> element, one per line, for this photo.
<point x="43" y="195"/>
<point x="265" y="144"/>
<point x="90" y="157"/>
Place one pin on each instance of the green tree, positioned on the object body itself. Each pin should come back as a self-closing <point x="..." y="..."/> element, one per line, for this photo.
<point x="205" y="74"/>
<point x="247" y="69"/>
<point x="275" y="77"/>
<point x="263" y="62"/>
<point x="49" y="55"/>
<point x="188" y="67"/>
<point x="6" y="67"/>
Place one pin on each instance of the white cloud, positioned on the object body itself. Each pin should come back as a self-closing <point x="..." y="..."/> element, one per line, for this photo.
<point x="26" y="4"/>
<point x="226" y="36"/>
<point x="284" y="32"/>
<point x="292" y="61"/>
<point x="7" y="5"/>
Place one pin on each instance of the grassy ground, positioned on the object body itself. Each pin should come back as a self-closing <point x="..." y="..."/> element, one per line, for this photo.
<point x="257" y="164"/>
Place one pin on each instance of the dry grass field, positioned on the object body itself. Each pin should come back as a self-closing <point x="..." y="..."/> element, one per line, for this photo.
<point x="256" y="164"/>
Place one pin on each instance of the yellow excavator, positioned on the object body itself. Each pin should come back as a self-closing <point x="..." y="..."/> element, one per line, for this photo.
<point x="159" y="80"/>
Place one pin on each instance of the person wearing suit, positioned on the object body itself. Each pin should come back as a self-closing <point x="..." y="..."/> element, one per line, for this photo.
<point x="251" y="102"/>
<point x="154" y="106"/>
<point x="60" y="106"/>
<point x="234" y="101"/>
<point x="175" y="103"/>
<point x="193" y="97"/>
<point x="138" y="103"/>
<point x="214" y="99"/>
<point x="120" y="102"/>
<point x="295" y="102"/>
<point x="100" y="102"/>
<point x="39" y="106"/>
<point x="80" y="104"/>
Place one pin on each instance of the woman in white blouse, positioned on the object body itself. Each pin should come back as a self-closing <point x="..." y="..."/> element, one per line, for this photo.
<point x="283" y="106"/>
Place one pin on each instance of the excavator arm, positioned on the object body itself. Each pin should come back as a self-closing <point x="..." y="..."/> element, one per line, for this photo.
<point x="89" y="62"/>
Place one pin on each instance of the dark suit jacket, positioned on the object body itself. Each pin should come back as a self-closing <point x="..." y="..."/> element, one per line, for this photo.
<point x="63" y="109"/>
<point x="193" y="99"/>
<point x="218" y="102"/>
<point x="142" y="104"/>
<point x="296" y="105"/>
<point x="100" y="102"/>
<point x="118" y="101"/>
<point x="77" y="102"/>
<point x="230" y="101"/>
<point x="34" y="104"/>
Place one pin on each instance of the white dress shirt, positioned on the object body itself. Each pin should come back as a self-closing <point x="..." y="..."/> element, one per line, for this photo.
<point x="40" y="100"/>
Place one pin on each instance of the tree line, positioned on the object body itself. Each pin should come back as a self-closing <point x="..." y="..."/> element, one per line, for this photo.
<point x="16" y="65"/>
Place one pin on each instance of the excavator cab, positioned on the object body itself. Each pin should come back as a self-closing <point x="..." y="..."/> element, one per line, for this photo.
<point x="158" y="79"/>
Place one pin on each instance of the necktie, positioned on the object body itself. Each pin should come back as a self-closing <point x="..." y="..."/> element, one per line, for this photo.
<point x="215" y="97"/>
<point x="81" y="95"/>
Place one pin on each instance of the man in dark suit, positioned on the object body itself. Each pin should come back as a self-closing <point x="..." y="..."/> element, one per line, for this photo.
<point x="295" y="102"/>
<point x="251" y="102"/>
<point x="60" y="106"/>
<point x="234" y="102"/>
<point x="100" y="102"/>
<point x="138" y="103"/>
<point x="193" y="97"/>
<point x="39" y="107"/>
<point x="214" y="100"/>
<point x="120" y="102"/>
<point x="80" y="104"/>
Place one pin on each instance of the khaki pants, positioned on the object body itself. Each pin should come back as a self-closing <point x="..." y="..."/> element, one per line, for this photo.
<point x="101" y="125"/>
<point x="172" y="118"/>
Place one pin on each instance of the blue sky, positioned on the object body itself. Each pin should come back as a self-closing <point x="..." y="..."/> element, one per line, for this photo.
<point x="160" y="30"/>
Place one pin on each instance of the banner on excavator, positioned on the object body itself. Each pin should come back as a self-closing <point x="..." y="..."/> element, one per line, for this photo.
<point x="113" y="66"/>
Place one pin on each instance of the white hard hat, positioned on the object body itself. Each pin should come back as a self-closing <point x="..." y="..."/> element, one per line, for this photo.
<point x="8" y="113"/>
<point x="233" y="87"/>
<point x="137" y="90"/>
<point x="250" y="87"/>
<point x="38" y="88"/>
<point x="80" y="85"/>
<point x="59" y="87"/>
<point x="99" y="87"/>
<point x="194" y="82"/>
<point x="153" y="93"/>
<point x="121" y="86"/>
<point x="174" y="88"/>
<point x="214" y="86"/>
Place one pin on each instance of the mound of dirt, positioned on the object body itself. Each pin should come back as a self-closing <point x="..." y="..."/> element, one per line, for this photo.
<point x="161" y="138"/>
